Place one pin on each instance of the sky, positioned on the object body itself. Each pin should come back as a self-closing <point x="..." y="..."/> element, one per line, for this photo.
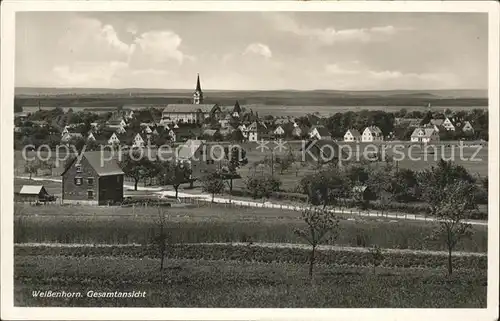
<point x="252" y="50"/>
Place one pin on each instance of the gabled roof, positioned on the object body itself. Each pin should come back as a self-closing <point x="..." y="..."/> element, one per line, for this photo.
<point x="187" y="150"/>
<point x="427" y="132"/>
<point x="437" y="122"/>
<point x="33" y="190"/>
<point x="322" y="130"/>
<point x="107" y="168"/>
<point x="354" y="132"/>
<point x="189" y="108"/>
<point x="374" y="130"/>
<point x="209" y="132"/>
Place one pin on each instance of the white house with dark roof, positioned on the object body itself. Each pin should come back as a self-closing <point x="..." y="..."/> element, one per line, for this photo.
<point x="448" y="123"/>
<point x="138" y="141"/>
<point x="424" y="135"/>
<point x="113" y="140"/>
<point x="372" y="134"/>
<point x="352" y="135"/>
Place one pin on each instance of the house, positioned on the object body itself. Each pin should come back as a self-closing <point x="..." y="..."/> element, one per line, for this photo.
<point x="424" y="135"/>
<point x="319" y="132"/>
<point x="299" y="131"/>
<point x="189" y="113"/>
<point x="65" y="131"/>
<point x="255" y="130"/>
<point x="201" y="156"/>
<point x="363" y="193"/>
<point x="236" y="110"/>
<point x="147" y="130"/>
<point x="71" y="136"/>
<point x="279" y="131"/>
<point x="467" y="127"/>
<point x="352" y="135"/>
<point x="92" y="178"/>
<point x="210" y="133"/>
<point x="34" y="193"/>
<point x="90" y="137"/>
<point x="171" y="135"/>
<point x="116" y="121"/>
<point x="113" y="140"/>
<point x="138" y="141"/>
<point x="372" y="134"/>
<point x="129" y="115"/>
<point x="448" y="124"/>
<point x="244" y="131"/>
<point x="323" y="151"/>
<point x="121" y="130"/>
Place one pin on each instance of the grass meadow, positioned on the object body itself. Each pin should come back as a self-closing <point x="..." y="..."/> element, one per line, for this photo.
<point x="216" y="223"/>
<point x="231" y="284"/>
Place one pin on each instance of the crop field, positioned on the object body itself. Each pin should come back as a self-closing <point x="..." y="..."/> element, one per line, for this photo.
<point x="216" y="223"/>
<point x="230" y="284"/>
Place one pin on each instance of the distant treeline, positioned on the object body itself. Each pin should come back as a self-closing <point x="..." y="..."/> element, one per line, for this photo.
<point x="291" y="100"/>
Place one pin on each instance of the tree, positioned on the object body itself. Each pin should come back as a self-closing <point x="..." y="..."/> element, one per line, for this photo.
<point x="322" y="226"/>
<point x="174" y="173"/>
<point x="32" y="167"/>
<point x="455" y="206"/>
<point x="236" y="157"/>
<point x="161" y="240"/>
<point x="262" y="186"/>
<point x="285" y="162"/>
<point x="325" y="187"/>
<point x="377" y="256"/>
<point x="433" y="181"/>
<point x="135" y="166"/>
<point x="212" y="183"/>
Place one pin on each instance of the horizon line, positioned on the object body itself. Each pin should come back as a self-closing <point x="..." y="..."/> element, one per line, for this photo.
<point x="275" y="89"/>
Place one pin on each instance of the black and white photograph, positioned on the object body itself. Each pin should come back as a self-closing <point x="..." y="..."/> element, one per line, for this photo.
<point x="251" y="155"/>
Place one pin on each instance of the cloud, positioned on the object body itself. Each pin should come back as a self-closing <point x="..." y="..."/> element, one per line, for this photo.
<point x="258" y="49"/>
<point x="330" y="35"/>
<point x="160" y="46"/>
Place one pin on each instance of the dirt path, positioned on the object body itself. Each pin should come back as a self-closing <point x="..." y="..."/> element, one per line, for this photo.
<point x="221" y="200"/>
<point x="267" y="245"/>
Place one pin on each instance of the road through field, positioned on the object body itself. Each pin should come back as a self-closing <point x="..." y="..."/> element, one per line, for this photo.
<point x="208" y="198"/>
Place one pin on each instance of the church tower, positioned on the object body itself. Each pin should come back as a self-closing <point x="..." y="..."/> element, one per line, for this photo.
<point x="198" y="94"/>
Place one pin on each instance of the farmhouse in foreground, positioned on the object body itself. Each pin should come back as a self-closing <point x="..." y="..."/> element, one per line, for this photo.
<point x="92" y="181"/>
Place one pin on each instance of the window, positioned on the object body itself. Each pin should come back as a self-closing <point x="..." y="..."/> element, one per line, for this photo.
<point x="90" y="195"/>
<point x="90" y="181"/>
<point x="118" y="179"/>
<point x="78" y="181"/>
<point x="78" y="168"/>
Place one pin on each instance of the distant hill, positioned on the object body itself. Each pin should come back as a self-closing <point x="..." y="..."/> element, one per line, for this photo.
<point x="437" y="94"/>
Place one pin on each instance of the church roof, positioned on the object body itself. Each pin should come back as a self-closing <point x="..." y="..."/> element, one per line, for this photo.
<point x="189" y="108"/>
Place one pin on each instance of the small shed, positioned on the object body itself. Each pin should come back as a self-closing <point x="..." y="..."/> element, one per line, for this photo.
<point x="363" y="192"/>
<point x="33" y="193"/>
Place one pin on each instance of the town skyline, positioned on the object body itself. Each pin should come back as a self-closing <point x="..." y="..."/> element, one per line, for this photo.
<point x="298" y="51"/>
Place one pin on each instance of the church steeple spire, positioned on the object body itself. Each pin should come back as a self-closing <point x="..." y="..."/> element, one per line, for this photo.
<point x="198" y="94"/>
